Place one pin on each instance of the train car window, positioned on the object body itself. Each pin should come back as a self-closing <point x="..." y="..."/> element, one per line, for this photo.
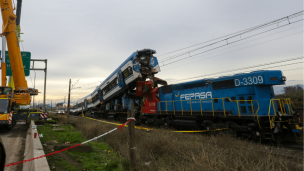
<point x="89" y="100"/>
<point x="242" y="102"/>
<point x="227" y="99"/>
<point x="215" y="100"/>
<point x="243" y="109"/>
<point x="115" y="82"/>
<point x="95" y="98"/>
<point x="249" y="98"/>
<point x="233" y="98"/>
<point x="127" y="72"/>
<point x="130" y="70"/>
<point x="223" y="84"/>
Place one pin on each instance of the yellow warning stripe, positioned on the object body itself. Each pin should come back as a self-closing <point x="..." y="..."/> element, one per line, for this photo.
<point x="203" y="130"/>
<point x="3" y="116"/>
<point x="139" y="127"/>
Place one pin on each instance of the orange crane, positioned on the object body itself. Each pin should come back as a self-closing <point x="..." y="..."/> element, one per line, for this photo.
<point x="10" y="99"/>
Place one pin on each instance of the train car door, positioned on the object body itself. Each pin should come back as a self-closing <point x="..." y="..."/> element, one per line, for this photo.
<point x="85" y="104"/>
<point x="100" y="95"/>
<point x="121" y="82"/>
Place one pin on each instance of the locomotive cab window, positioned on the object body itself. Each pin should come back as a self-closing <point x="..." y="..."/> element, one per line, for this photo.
<point x="242" y="102"/>
<point x="249" y="98"/>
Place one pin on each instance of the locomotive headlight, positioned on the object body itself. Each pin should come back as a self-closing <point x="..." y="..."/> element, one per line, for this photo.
<point x="283" y="78"/>
<point x="273" y="78"/>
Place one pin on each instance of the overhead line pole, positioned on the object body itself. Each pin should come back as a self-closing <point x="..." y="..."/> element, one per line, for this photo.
<point x="69" y="102"/>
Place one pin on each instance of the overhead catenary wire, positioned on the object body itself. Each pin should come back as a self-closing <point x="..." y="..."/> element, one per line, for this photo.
<point x="236" y="70"/>
<point x="235" y="50"/>
<point x="190" y="56"/>
<point x="248" y="67"/>
<point x="244" y="31"/>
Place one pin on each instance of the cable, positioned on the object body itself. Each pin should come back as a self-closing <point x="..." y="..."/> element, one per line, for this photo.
<point x="225" y="45"/>
<point x="233" y="50"/>
<point x="245" y="31"/>
<point x="254" y="66"/>
<point x="238" y="70"/>
<point x="293" y="69"/>
<point x="261" y="37"/>
<point x="90" y="83"/>
<point x="188" y="52"/>
<point x="226" y="41"/>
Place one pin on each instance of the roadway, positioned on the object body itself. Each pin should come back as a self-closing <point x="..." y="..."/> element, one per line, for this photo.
<point x="14" y="143"/>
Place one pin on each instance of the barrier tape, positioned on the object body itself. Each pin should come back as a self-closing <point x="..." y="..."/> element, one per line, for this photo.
<point x="23" y="161"/>
<point x="139" y="127"/>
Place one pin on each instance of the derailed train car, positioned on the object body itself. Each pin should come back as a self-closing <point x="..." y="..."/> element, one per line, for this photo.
<point x="113" y="97"/>
<point x="245" y="103"/>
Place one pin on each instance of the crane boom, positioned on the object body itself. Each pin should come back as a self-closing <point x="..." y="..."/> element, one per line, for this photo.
<point x="9" y="30"/>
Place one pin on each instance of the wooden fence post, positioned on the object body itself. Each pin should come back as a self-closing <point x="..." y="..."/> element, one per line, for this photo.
<point x="131" y="127"/>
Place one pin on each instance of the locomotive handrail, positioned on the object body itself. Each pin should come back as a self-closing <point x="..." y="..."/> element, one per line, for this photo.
<point x="237" y="101"/>
<point x="223" y="100"/>
<point x="282" y="102"/>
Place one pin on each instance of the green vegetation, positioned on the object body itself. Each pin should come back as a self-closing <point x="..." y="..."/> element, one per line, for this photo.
<point x="163" y="150"/>
<point x="295" y="93"/>
<point x="101" y="158"/>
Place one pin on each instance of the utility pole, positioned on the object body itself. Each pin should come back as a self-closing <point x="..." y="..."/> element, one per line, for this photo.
<point x="44" y="93"/>
<point x="131" y="127"/>
<point x="51" y="104"/>
<point x="69" y="101"/>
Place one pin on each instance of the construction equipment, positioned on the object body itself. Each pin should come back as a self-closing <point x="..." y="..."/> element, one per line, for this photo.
<point x="12" y="97"/>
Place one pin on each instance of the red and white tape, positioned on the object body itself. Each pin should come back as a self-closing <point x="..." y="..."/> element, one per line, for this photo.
<point x="10" y="117"/>
<point x="43" y="115"/>
<point x="23" y="161"/>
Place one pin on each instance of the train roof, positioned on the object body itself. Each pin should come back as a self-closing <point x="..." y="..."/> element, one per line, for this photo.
<point x="208" y="80"/>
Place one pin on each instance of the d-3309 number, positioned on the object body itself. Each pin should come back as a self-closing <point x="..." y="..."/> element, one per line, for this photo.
<point x="249" y="81"/>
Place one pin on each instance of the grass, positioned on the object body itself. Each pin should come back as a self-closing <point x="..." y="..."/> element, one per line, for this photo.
<point x="164" y="150"/>
<point x="102" y="157"/>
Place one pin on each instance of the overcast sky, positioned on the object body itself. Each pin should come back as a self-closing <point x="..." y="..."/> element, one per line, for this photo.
<point x="88" y="40"/>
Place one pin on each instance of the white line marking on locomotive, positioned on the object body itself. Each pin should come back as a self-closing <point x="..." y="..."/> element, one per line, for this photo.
<point x="202" y="95"/>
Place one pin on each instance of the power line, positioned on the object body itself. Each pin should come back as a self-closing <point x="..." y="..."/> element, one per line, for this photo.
<point x="238" y="70"/>
<point x="234" y="50"/>
<point x="225" y="45"/>
<point x="293" y="69"/>
<point x="239" y="33"/>
<point x="248" y="67"/>
<point x="263" y="37"/>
